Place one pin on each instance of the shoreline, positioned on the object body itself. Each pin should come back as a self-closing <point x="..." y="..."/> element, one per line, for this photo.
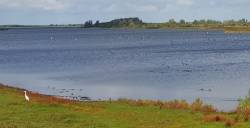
<point x="88" y="99"/>
<point x="53" y="112"/>
<point x="226" y="30"/>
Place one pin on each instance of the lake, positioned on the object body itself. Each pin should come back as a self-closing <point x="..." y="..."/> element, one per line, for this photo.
<point x="121" y="63"/>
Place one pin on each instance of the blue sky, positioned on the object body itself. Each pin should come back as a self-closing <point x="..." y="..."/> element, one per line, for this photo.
<point x="78" y="11"/>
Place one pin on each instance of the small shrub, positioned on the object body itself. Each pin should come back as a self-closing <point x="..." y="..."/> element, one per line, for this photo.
<point x="215" y="118"/>
<point x="159" y="103"/>
<point x="246" y="119"/>
<point x="127" y="101"/>
<point x="176" y="104"/>
<point x="208" y="109"/>
<point x="229" y="123"/>
<point x="244" y="109"/>
<point x="197" y="105"/>
<point x="236" y="119"/>
<point x="140" y="103"/>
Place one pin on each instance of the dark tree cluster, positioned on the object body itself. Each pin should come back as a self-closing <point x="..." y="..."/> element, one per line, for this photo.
<point x="113" y="23"/>
<point x="126" y="21"/>
<point x="88" y="24"/>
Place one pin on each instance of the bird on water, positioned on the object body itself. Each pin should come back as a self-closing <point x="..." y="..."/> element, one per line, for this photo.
<point x="26" y="97"/>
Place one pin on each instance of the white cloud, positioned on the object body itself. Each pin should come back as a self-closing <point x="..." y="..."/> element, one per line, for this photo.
<point x="76" y="11"/>
<point x="185" y="2"/>
<point x="36" y="4"/>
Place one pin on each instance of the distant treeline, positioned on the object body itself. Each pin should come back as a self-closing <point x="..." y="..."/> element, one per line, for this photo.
<point x="172" y="23"/>
<point x="242" y="25"/>
<point x="123" y="22"/>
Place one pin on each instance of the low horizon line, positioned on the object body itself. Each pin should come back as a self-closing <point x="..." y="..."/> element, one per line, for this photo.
<point x="167" y="20"/>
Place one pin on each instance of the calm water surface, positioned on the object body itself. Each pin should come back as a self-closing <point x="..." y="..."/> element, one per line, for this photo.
<point x="149" y="64"/>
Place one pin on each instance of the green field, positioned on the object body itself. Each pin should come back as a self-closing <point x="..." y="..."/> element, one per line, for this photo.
<point x="50" y="112"/>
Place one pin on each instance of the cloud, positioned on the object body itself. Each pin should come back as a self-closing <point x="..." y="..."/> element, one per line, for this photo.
<point x="35" y="4"/>
<point x="185" y="2"/>
<point x="75" y="11"/>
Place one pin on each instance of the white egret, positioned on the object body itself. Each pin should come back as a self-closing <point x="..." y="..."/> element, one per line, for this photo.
<point x="26" y="97"/>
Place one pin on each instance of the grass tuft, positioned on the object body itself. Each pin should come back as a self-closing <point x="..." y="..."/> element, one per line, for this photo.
<point x="215" y="118"/>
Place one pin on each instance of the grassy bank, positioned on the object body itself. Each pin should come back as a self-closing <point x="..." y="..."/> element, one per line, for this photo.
<point x="50" y="112"/>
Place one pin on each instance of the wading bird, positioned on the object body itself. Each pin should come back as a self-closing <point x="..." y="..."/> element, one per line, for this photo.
<point x="26" y="97"/>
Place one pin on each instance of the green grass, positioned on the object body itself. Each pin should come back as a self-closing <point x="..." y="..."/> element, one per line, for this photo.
<point x="42" y="112"/>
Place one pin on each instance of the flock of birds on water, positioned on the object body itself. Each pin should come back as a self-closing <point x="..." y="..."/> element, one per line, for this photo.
<point x="63" y="94"/>
<point x="72" y="94"/>
<point x="82" y="98"/>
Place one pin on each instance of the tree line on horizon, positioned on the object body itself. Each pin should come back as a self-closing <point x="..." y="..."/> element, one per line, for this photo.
<point x="136" y="22"/>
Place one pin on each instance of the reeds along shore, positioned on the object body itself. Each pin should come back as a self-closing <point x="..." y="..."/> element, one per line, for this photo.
<point x="196" y="106"/>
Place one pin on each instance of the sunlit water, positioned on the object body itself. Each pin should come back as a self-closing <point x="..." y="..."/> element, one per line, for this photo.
<point x="145" y="64"/>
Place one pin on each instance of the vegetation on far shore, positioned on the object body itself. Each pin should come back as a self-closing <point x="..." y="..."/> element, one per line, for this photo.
<point x="51" y="112"/>
<point x="229" y="26"/>
<point x="242" y="25"/>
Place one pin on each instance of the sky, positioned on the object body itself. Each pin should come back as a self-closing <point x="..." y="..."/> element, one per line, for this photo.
<point x="36" y="12"/>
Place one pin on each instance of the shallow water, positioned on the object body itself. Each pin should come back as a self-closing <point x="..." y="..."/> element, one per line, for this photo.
<point x="151" y="64"/>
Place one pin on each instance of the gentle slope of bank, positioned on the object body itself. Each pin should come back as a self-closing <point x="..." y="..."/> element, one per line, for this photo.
<point x="50" y="112"/>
